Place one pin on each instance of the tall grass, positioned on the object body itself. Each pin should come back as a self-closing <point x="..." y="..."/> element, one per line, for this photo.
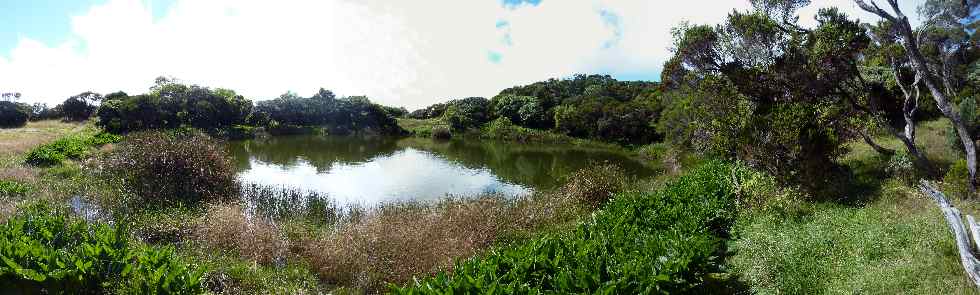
<point x="364" y="249"/>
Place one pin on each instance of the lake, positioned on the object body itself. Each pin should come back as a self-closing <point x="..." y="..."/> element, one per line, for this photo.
<point x="364" y="171"/>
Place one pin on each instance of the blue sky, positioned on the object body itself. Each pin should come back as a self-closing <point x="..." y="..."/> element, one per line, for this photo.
<point x="404" y="53"/>
<point x="48" y="21"/>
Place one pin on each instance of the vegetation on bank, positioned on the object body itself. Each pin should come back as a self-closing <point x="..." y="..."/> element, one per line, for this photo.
<point x="665" y="241"/>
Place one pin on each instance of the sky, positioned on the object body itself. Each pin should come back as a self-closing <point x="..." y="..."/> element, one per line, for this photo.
<point x="400" y="53"/>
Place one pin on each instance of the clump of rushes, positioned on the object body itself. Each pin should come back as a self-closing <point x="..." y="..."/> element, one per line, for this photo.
<point x="225" y="227"/>
<point x="662" y="242"/>
<point x="165" y="169"/>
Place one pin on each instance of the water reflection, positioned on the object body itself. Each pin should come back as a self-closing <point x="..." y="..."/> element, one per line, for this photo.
<point x="370" y="171"/>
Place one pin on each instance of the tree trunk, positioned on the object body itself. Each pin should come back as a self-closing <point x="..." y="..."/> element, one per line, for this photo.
<point x="919" y="64"/>
<point x="971" y="265"/>
<point x="942" y="101"/>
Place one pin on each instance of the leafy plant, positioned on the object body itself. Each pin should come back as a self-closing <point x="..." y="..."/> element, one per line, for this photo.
<point x="10" y="188"/>
<point x="45" y="251"/>
<point x="661" y="242"/>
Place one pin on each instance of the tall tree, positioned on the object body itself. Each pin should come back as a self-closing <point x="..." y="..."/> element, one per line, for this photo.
<point x="940" y="17"/>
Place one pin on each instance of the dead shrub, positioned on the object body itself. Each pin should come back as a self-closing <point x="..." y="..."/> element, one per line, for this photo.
<point x="594" y="186"/>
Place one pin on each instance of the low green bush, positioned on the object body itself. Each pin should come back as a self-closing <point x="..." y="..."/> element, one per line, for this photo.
<point x="70" y="147"/>
<point x="73" y="147"/>
<point x="104" y="138"/>
<point x="956" y="182"/>
<point x="174" y="169"/>
<point x="667" y="241"/>
<point x="47" y="252"/>
<point x="10" y="188"/>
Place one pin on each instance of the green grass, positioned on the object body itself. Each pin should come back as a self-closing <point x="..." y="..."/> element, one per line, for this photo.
<point x="887" y="239"/>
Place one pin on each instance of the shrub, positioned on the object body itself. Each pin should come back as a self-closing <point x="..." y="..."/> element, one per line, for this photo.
<point x="104" y="138"/>
<point x="440" y="132"/>
<point x="901" y="166"/>
<point x="957" y="180"/>
<point x="240" y="132"/>
<point x="594" y="186"/>
<point x="47" y="252"/>
<point x="10" y="188"/>
<point x="662" y="242"/>
<point x="340" y="115"/>
<point x="171" y="105"/>
<point x="168" y="169"/>
<point x="69" y="147"/>
<point x="12" y="115"/>
<point x="471" y="112"/>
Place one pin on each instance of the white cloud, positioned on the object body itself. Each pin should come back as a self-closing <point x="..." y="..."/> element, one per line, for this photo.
<point x="407" y="53"/>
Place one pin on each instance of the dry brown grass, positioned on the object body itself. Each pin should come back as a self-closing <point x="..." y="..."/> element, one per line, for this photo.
<point x="17" y="141"/>
<point x="225" y="227"/>
<point x="398" y="242"/>
<point x="395" y="243"/>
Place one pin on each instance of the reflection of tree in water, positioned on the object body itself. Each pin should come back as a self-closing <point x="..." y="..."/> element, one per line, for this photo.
<point x="536" y="165"/>
<point x="320" y="151"/>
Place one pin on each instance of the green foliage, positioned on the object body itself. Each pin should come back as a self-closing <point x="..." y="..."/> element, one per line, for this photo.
<point x="739" y="93"/>
<point x="901" y="166"/>
<point x="240" y="132"/>
<point x="467" y="113"/>
<point x="13" y="115"/>
<point x="340" y="116"/>
<point x="104" y="138"/>
<point x="968" y="113"/>
<point x="526" y="111"/>
<point x="956" y="182"/>
<point x="48" y="252"/>
<point x="170" y="169"/>
<point x="79" y="107"/>
<point x="171" y="105"/>
<point x="69" y="147"/>
<point x="10" y="188"/>
<point x="899" y="245"/>
<point x="661" y="242"/>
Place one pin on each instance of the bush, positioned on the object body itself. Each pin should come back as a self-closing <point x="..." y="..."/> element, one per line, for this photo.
<point x="10" y="188"/>
<point x="467" y="113"/>
<point x="956" y="182"/>
<point x="172" y="105"/>
<point x="594" y="186"/>
<point x="12" y="115"/>
<point x="169" y="169"/>
<point x="901" y="166"/>
<point x="69" y="147"/>
<point x="341" y="116"/>
<point x="47" y="252"/>
<point x="662" y="242"/>
<point x="441" y="133"/>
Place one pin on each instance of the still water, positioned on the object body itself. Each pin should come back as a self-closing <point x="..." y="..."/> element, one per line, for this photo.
<point x="370" y="171"/>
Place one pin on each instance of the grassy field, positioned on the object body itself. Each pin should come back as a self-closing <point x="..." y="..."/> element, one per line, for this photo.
<point x="887" y="239"/>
